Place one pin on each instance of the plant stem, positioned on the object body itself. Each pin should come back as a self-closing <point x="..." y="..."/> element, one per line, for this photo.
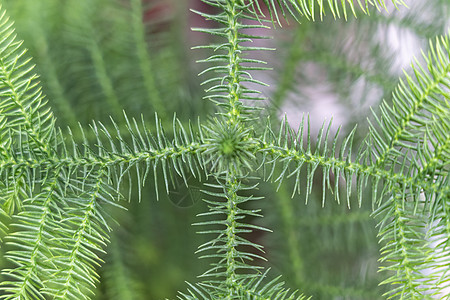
<point x="233" y="117"/>
<point x="231" y="251"/>
<point x="233" y="63"/>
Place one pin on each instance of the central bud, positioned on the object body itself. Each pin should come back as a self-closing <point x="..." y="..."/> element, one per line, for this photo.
<point x="229" y="146"/>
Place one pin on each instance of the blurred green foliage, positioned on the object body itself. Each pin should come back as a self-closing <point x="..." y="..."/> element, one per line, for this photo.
<point x="97" y="58"/>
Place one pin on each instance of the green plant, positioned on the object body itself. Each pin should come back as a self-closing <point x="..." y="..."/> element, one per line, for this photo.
<point x="58" y="186"/>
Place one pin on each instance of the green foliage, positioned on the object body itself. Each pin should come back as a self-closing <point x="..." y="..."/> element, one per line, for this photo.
<point x="61" y="189"/>
<point x="308" y="8"/>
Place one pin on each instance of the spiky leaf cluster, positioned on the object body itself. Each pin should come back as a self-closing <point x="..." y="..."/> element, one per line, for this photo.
<point x="311" y="9"/>
<point x="404" y="161"/>
<point x="229" y="147"/>
<point x="414" y="139"/>
<point x="229" y="247"/>
<point x="228" y="86"/>
<point x="57" y="189"/>
<point x="252" y="289"/>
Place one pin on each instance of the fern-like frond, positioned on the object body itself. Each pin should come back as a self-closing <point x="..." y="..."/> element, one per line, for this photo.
<point x="438" y="236"/>
<point x="293" y="153"/>
<point x="21" y="100"/>
<point x="232" y="265"/>
<point x="231" y="69"/>
<point x="23" y="110"/>
<point x="413" y="138"/>
<point x="57" y="188"/>
<point x="250" y="289"/>
<point x="418" y="116"/>
<point x="31" y="240"/>
<point x="56" y="239"/>
<point x="13" y="185"/>
<point x="62" y="230"/>
<point x="143" y="152"/>
<point x="405" y="158"/>
<point x="310" y="9"/>
<point x="28" y="126"/>
<point x="402" y="232"/>
<point x="81" y="239"/>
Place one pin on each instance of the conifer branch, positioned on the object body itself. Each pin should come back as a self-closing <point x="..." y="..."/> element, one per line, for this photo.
<point x="56" y="188"/>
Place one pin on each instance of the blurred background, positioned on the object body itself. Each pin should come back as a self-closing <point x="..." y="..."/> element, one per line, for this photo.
<point x="98" y="58"/>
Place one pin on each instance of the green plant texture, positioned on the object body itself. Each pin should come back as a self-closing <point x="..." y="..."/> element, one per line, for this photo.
<point x="78" y="212"/>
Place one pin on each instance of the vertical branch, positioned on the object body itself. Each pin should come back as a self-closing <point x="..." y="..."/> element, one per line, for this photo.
<point x="231" y="250"/>
<point x="229" y="247"/>
<point x="233" y="61"/>
<point x="231" y="148"/>
<point x="229" y="90"/>
<point x="404" y="256"/>
<point x="233" y="115"/>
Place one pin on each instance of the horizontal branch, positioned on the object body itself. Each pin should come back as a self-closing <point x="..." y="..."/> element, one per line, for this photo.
<point x="107" y="159"/>
<point x="344" y="167"/>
